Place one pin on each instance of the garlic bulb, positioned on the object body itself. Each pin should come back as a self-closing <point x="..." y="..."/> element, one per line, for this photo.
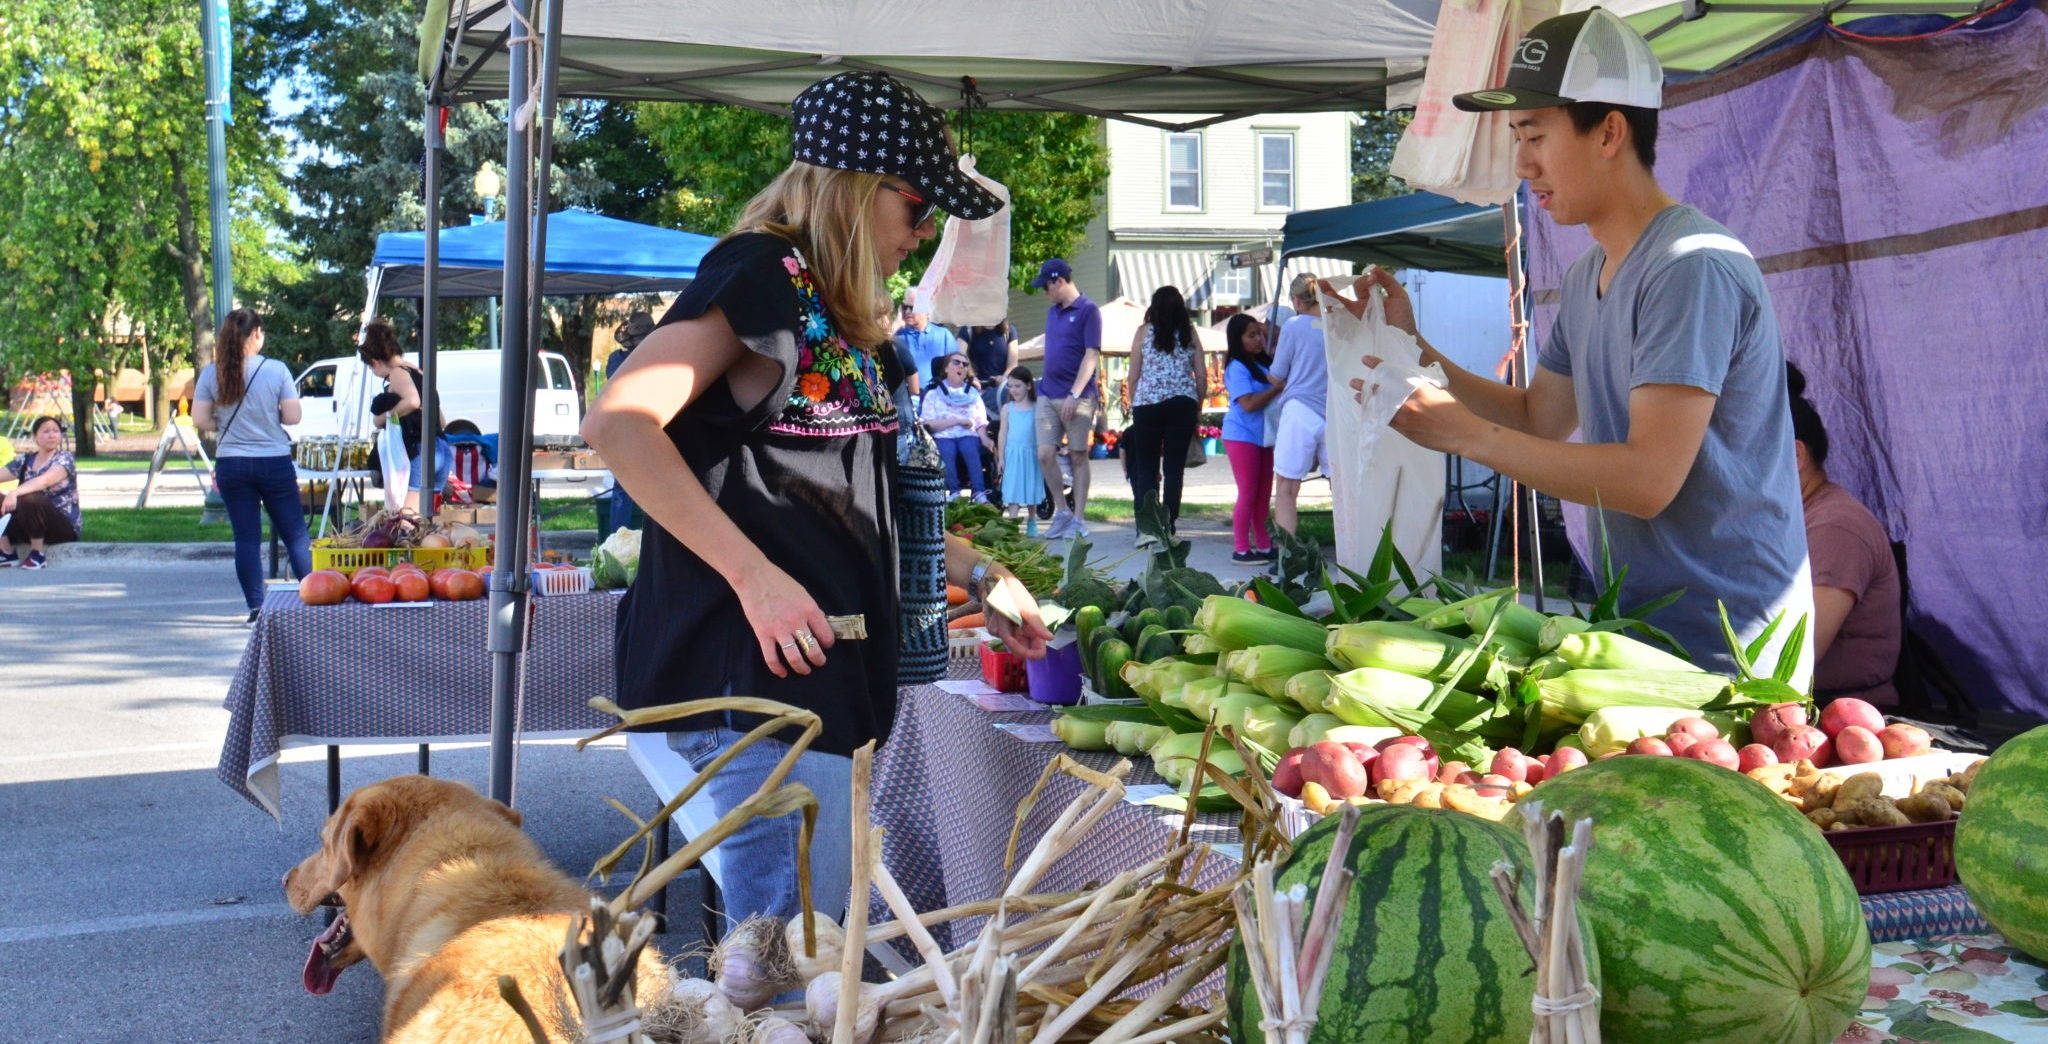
<point x="752" y="963"/>
<point x="831" y="944"/>
<point x="703" y="1014"/>
<point x="821" y="1005"/>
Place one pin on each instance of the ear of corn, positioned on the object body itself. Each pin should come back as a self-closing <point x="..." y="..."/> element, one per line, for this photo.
<point x="1269" y="724"/>
<point x="1612" y="651"/>
<point x="1554" y="629"/>
<point x="1319" y="727"/>
<point x="1132" y="738"/>
<point x="1199" y="693"/>
<point x="1310" y="690"/>
<point x="1403" y="647"/>
<point x="1517" y="621"/>
<point x="1573" y="696"/>
<point x="1268" y="668"/>
<point x="1354" y="693"/>
<point x="1079" y="734"/>
<point x="1237" y="623"/>
<point x="1153" y="680"/>
<point x="1451" y="616"/>
<point x="1174" y="757"/>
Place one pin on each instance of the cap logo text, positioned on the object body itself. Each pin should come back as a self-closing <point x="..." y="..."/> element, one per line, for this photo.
<point x="1532" y="52"/>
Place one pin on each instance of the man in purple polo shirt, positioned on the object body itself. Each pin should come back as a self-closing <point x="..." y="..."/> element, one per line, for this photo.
<point x="1067" y="396"/>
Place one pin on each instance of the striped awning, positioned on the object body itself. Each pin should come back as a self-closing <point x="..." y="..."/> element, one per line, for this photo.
<point x="1140" y="272"/>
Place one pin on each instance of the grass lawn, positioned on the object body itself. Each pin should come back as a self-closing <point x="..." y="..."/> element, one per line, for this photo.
<point x="180" y="525"/>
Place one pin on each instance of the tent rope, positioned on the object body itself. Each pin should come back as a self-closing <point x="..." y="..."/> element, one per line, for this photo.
<point x="970" y="102"/>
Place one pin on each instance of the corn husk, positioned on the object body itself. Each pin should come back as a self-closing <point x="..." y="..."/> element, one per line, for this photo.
<point x="1572" y="697"/>
<point x="1406" y="648"/>
<point x="1236" y="623"/>
<point x="1348" y="692"/>
<point x="1613" y="651"/>
<point x="1268" y="668"/>
<point x="1310" y="690"/>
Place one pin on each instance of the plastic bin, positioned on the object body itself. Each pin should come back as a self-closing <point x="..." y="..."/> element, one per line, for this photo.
<point x="1898" y="858"/>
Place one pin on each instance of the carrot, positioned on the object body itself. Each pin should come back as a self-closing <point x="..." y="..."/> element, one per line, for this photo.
<point x="971" y="620"/>
<point x="956" y="595"/>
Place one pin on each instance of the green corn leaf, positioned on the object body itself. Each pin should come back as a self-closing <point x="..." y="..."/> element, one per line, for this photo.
<point x="1763" y="639"/>
<point x="1272" y="597"/>
<point x="1742" y="669"/>
<point x="1660" y="602"/>
<point x="1144" y="715"/>
<point x="1788" y="655"/>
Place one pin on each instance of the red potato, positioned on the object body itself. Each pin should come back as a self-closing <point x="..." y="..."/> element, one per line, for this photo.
<point x="1449" y="771"/>
<point x="1511" y="764"/>
<point x="1754" y="756"/>
<point x="1803" y="743"/>
<point x="1467" y="777"/>
<point x="1364" y="752"/>
<point x="1494" y="785"/>
<point x="1648" y="745"/>
<point x="1287" y="774"/>
<point x="1336" y="768"/>
<point x="1856" y="745"/>
<point x="1772" y="721"/>
<point x="1681" y="743"/>
<point x="1399" y="762"/>
<point x="1611" y="754"/>
<point x="1538" y="770"/>
<point x="323" y="587"/>
<point x="1847" y="711"/>
<point x="1428" y="753"/>
<point x="1715" y="751"/>
<point x="1904" y="741"/>
<point x="1698" y="727"/>
<point x="1564" y="759"/>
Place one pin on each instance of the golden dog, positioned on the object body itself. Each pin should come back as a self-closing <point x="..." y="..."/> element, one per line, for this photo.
<point x="443" y="893"/>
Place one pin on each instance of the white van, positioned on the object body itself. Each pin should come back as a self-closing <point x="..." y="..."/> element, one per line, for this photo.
<point x="335" y="394"/>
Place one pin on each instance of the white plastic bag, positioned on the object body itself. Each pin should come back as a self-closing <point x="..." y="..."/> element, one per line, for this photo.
<point x="968" y="283"/>
<point x="1467" y="156"/>
<point x="396" y="466"/>
<point x="1376" y="474"/>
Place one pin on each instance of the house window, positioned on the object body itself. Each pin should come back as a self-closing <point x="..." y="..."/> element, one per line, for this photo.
<point x="1233" y="283"/>
<point x="1183" y="172"/>
<point x="1276" y="171"/>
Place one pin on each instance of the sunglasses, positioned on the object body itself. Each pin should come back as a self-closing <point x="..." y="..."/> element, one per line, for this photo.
<point x="924" y="210"/>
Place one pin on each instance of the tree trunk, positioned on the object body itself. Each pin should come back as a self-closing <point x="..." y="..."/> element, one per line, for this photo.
<point x="84" y="438"/>
<point x="191" y="267"/>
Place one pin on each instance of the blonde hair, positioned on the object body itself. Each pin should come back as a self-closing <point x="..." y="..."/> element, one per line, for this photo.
<point x="825" y="213"/>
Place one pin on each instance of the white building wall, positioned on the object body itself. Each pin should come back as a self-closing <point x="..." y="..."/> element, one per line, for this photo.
<point x="1230" y="173"/>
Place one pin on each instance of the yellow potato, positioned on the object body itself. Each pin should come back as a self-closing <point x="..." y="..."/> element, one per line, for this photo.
<point x="1822" y="817"/>
<point x="1878" y="812"/>
<point x="1859" y="787"/>
<point x="1947" y="793"/>
<point x="1925" y="807"/>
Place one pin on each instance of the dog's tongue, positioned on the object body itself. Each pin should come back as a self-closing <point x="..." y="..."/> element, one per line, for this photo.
<point x="320" y="974"/>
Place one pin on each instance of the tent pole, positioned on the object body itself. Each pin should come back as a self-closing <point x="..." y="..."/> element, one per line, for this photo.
<point x="430" y="304"/>
<point x="1518" y="320"/>
<point x="510" y="581"/>
<point x="544" y="147"/>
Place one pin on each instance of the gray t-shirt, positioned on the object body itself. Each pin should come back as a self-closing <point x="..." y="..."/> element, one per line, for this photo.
<point x="1688" y="306"/>
<point x="1298" y="358"/>
<point x="252" y="425"/>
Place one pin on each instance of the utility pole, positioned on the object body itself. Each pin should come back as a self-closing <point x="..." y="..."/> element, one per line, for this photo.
<point x="214" y="34"/>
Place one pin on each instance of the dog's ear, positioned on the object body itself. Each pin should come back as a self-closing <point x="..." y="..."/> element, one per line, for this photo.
<point x="511" y="814"/>
<point x="350" y="840"/>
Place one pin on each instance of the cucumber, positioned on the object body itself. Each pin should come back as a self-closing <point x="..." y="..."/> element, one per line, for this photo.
<point x="1108" y="681"/>
<point x="1086" y="620"/>
<point x="1148" y="638"/>
<point x="1157" y="645"/>
<point x="1149" y="617"/>
<point x="1091" y="653"/>
<point x="1179" y="618"/>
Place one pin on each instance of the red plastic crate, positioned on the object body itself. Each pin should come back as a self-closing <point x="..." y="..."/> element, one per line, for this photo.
<point x="1898" y="858"/>
<point x="1002" y="669"/>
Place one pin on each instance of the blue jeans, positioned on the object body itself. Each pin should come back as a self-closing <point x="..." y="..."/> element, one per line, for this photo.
<point x="759" y="862"/>
<point x="444" y="463"/>
<point x="962" y="457"/>
<point x="249" y="486"/>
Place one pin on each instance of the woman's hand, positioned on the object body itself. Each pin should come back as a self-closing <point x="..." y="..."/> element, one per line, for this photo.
<point x="377" y="420"/>
<point x="1026" y="639"/>
<point x="7" y="504"/>
<point x="791" y="629"/>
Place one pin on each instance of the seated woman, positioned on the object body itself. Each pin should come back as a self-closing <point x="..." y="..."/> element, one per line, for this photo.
<point x="1857" y="619"/>
<point x="43" y="509"/>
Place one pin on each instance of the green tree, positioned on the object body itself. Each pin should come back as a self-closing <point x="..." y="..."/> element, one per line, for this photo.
<point x="1372" y="151"/>
<point x="1054" y="164"/>
<point x="102" y="175"/>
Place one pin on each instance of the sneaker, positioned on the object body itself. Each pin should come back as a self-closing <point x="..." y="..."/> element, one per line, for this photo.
<point x="1062" y="525"/>
<point x="1264" y="554"/>
<point x="1146" y="540"/>
<point x="1246" y="557"/>
<point x="9" y="560"/>
<point x="35" y="560"/>
<point x="1079" y="528"/>
<point x="253" y="614"/>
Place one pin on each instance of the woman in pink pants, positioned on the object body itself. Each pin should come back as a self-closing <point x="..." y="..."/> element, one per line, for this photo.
<point x="1247" y="438"/>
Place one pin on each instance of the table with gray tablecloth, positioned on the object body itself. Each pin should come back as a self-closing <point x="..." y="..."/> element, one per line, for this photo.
<point x="403" y="673"/>
<point x="947" y="787"/>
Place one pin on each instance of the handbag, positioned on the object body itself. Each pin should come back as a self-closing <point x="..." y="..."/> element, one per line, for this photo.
<point x="1197" y="454"/>
<point x="920" y="513"/>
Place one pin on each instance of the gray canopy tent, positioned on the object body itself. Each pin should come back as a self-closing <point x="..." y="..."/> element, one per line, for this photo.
<point x="1213" y="60"/>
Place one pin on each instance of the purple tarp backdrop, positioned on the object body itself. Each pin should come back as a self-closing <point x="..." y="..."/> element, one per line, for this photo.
<point x="1896" y="196"/>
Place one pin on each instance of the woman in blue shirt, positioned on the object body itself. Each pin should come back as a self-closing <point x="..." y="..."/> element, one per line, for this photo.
<point x="1247" y="439"/>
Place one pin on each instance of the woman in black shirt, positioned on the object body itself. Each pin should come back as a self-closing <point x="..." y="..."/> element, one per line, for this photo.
<point x="755" y="427"/>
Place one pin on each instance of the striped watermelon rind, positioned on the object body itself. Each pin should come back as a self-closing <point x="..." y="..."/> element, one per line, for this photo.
<point x="1723" y="916"/>
<point x="1426" y="953"/>
<point x="2002" y="842"/>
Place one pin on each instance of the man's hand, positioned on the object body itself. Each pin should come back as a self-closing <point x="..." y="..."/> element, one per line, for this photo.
<point x="1068" y="407"/>
<point x="1431" y="417"/>
<point x="1396" y="307"/>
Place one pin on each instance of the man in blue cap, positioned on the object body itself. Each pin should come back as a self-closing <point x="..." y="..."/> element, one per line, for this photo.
<point x="1068" y="400"/>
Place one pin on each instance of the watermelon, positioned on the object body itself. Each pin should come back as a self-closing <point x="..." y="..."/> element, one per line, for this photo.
<point x="2002" y="842"/>
<point x="1425" y="952"/>
<point x="1723" y="916"/>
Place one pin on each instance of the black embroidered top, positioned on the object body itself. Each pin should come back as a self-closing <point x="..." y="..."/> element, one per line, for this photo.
<point x="806" y="474"/>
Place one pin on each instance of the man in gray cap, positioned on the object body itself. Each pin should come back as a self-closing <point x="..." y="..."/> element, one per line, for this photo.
<point x="1664" y="357"/>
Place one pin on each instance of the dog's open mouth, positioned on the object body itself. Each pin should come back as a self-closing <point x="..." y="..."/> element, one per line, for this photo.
<point x="321" y="966"/>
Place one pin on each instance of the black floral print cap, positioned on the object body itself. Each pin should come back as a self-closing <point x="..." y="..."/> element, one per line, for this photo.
<point x="871" y="121"/>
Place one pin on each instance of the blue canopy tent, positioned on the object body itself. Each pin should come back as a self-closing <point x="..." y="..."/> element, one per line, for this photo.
<point x="1419" y="230"/>
<point x="587" y="254"/>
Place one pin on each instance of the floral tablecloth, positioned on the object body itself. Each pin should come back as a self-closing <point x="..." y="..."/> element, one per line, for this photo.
<point x="1958" y="989"/>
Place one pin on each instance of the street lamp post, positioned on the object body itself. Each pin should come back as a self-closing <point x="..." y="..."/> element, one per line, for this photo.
<point x="488" y="185"/>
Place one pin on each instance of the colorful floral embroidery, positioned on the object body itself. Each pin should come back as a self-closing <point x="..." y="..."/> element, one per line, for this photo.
<point x="839" y="389"/>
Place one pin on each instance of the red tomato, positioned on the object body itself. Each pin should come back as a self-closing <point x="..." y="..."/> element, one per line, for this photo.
<point x="323" y="587"/>
<point x="375" y="590"/>
<point x="464" y="586"/>
<point x="412" y="586"/>
<point x="373" y="570"/>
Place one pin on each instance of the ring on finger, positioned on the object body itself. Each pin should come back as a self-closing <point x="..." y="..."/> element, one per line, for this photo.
<point x="805" y="639"/>
<point x="788" y="643"/>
